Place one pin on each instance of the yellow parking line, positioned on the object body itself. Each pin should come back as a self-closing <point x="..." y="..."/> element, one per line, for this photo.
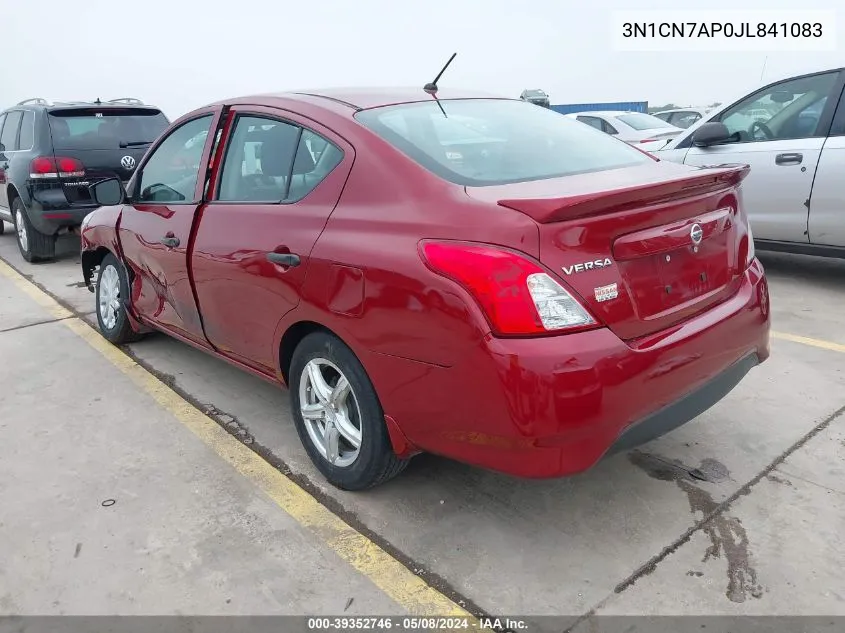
<point x="406" y="588"/>
<point x="813" y="342"/>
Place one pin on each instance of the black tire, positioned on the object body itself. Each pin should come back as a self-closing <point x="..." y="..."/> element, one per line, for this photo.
<point x="39" y="246"/>
<point x="120" y="331"/>
<point x="376" y="461"/>
<point x="2" y="226"/>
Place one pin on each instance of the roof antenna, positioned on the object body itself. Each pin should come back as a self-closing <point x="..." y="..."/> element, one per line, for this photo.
<point x="432" y="87"/>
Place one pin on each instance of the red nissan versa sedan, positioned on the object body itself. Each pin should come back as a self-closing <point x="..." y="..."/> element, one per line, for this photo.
<point x="471" y="276"/>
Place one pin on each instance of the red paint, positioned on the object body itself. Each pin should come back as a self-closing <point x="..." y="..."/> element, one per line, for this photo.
<point x="536" y="406"/>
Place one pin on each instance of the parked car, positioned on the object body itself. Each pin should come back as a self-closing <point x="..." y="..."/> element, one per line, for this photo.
<point x="51" y="152"/>
<point x="792" y="134"/>
<point x="636" y="128"/>
<point x="526" y="296"/>
<point x="682" y="117"/>
<point x="536" y="96"/>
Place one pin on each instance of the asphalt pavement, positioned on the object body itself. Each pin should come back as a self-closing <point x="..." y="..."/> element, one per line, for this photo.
<point x="738" y="512"/>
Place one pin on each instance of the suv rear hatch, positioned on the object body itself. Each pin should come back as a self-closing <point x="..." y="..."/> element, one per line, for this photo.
<point x="100" y="142"/>
<point x="645" y="247"/>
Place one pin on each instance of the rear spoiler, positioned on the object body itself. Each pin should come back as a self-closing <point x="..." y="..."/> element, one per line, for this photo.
<point x="707" y="180"/>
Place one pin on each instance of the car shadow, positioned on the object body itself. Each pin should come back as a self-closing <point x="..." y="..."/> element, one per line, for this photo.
<point x="67" y="246"/>
<point x="820" y="272"/>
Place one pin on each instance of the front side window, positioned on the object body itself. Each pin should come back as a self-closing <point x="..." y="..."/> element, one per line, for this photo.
<point x="268" y="160"/>
<point x="170" y="175"/>
<point x="496" y="141"/>
<point x="787" y="110"/>
<point x="9" y="135"/>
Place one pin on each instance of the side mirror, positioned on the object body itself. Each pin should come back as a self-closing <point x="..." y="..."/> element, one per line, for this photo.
<point x="108" y="192"/>
<point x="711" y="133"/>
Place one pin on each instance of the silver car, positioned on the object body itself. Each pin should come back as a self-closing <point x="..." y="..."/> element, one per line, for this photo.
<point x="792" y="134"/>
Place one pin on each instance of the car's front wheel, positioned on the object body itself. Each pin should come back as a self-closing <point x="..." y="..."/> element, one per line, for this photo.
<point x="338" y="415"/>
<point x="33" y="245"/>
<point x="111" y="293"/>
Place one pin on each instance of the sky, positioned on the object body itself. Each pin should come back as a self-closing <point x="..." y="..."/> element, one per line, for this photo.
<point x="182" y="54"/>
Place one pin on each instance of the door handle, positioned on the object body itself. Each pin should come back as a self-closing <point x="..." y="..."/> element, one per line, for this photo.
<point x="284" y="259"/>
<point x="789" y="159"/>
<point x="170" y="242"/>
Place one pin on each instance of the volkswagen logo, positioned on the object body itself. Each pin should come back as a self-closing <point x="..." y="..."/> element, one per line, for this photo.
<point x="127" y="162"/>
<point x="696" y="233"/>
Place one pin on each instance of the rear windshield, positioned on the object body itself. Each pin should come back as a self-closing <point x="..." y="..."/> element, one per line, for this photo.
<point x="496" y="141"/>
<point x="105" y="129"/>
<point x="640" y="121"/>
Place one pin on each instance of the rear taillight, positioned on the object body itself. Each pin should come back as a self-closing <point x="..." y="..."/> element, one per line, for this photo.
<point x="517" y="296"/>
<point x="56" y="167"/>
<point x="749" y="259"/>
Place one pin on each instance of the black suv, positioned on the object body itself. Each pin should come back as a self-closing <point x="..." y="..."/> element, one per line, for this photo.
<point x="51" y="152"/>
<point x="536" y="96"/>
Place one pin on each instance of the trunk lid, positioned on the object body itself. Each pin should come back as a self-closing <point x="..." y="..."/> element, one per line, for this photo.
<point x="644" y="247"/>
<point x="108" y="141"/>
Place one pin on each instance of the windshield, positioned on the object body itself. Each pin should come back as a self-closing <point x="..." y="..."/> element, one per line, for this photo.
<point x="81" y="129"/>
<point x="640" y="121"/>
<point x="497" y="141"/>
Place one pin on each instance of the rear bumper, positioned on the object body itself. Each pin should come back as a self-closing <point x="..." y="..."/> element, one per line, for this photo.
<point x="49" y="210"/>
<point x="549" y="407"/>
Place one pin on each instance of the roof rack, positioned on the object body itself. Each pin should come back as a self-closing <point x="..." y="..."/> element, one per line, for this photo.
<point x="129" y="100"/>
<point x="37" y="100"/>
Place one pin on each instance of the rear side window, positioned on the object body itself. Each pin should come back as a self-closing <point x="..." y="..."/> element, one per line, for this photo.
<point x="9" y="135"/>
<point x="109" y="128"/>
<point x="272" y="161"/>
<point x="27" y="136"/>
<point x="640" y="121"/>
<point x="497" y="141"/>
<point x="684" y="119"/>
<point x="592" y="121"/>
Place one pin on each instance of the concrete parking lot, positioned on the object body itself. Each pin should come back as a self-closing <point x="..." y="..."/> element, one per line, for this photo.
<point x="738" y="512"/>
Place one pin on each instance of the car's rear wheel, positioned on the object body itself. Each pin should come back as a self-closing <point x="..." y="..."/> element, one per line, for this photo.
<point x="33" y="245"/>
<point x="338" y="415"/>
<point x="111" y="293"/>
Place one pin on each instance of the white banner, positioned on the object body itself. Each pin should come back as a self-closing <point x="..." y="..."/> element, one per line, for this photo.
<point x="719" y="31"/>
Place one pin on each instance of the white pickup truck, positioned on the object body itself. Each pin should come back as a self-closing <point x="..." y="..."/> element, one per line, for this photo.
<point x="792" y="134"/>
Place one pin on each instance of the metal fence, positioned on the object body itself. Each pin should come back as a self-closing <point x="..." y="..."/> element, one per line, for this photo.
<point x="628" y="106"/>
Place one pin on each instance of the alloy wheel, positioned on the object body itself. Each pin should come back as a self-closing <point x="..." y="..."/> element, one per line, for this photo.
<point x="330" y="411"/>
<point x="108" y="296"/>
<point x="20" y="227"/>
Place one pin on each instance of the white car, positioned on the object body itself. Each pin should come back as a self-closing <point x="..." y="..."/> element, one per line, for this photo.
<point x="792" y="134"/>
<point x="636" y="128"/>
<point x="682" y="117"/>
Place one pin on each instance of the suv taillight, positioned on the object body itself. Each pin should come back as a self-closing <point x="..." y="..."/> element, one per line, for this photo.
<point x="517" y="296"/>
<point x="58" y="167"/>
